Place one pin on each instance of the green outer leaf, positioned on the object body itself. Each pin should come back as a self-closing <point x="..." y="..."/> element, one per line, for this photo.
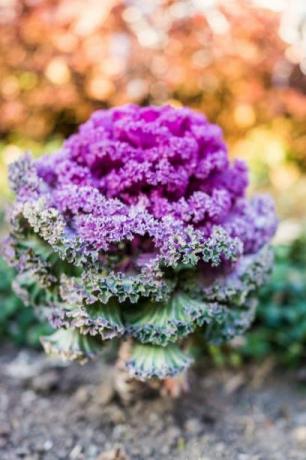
<point x="70" y="345"/>
<point x="233" y="322"/>
<point x="161" y="323"/>
<point x="250" y="273"/>
<point x="95" y="285"/>
<point x="96" y="319"/>
<point x="101" y="319"/>
<point x="151" y="361"/>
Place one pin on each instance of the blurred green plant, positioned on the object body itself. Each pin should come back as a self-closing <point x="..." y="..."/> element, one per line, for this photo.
<point x="280" y="327"/>
<point x="18" y="323"/>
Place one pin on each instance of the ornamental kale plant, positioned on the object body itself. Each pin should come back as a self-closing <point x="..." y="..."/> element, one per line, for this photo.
<point x="139" y="230"/>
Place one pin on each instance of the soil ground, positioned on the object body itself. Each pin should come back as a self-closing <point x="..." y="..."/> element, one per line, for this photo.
<point x="49" y="411"/>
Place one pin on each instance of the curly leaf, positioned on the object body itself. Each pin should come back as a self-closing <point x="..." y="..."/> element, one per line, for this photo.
<point x="160" y="323"/>
<point x="70" y="345"/>
<point x="250" y="273"/>
<point x="152" y="361"/>
<point x="96" y="319"/>
<point x="233" y="322"/>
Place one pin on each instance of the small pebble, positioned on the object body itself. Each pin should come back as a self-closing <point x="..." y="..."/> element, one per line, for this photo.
<point x="119" y="431"/>
<point x="4" y="429"/>
<point x="173" y="434"/>
<point x="45" y="382"/>
<point x="113" y="454"/>
<point x="105" y="393"/>
<point x="76" y="452"/>
<point x="82" y="395"/>
<point x="116" y="414"/>
<point x="299" y="434"/>
<point x="48" y="445"/>
<point x="22" y="451"/>
<point x="193" y="426"/>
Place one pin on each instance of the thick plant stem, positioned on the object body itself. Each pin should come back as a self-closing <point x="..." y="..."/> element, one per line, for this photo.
<point x="122" y="381"/>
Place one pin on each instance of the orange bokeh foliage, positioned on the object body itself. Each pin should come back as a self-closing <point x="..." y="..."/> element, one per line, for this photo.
<point x="59" y="60"/>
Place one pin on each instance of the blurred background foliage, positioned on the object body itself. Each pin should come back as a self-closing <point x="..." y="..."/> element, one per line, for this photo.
<point x="241" y="62"/>
<point x="17" y="321"/>
<point x="280" y="328"/>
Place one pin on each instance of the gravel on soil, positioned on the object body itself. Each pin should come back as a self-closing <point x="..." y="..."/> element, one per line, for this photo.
<point x="50" y="411"/>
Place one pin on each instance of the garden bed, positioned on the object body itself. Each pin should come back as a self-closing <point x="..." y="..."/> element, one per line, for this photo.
<point x="51" y="412"/>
